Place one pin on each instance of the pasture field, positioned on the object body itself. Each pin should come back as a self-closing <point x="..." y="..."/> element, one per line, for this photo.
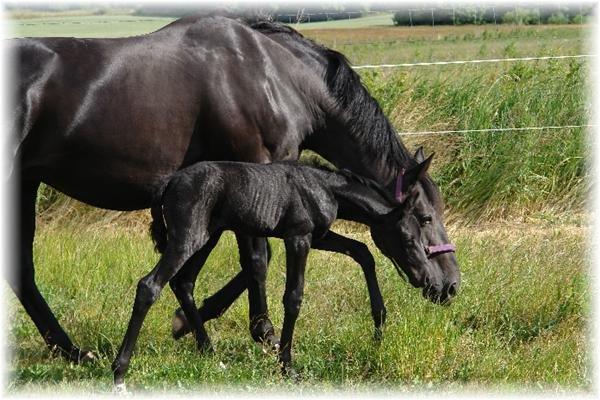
<point x="519" y="322"/>
<point x="515" y="207"/>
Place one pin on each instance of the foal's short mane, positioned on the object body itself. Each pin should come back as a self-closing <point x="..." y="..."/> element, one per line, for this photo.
<point x="368" y="182"/>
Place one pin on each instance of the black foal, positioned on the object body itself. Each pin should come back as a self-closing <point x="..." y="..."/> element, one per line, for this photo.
<point x="291" y="201"/>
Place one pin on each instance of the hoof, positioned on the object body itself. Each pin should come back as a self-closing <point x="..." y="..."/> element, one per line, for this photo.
<point x="206" y="348"/>
<point x="81" y="356"/>
<point x="271" y="344"/>
<point x="120" y="389"/>
<point x="291" y="374"/>
<point x="179" y="325"/>
<point x="378" y="335"/>
<point x="86" y="357"/>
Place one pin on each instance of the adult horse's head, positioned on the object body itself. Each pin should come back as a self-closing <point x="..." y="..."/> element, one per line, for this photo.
<point x="440" y="277"/>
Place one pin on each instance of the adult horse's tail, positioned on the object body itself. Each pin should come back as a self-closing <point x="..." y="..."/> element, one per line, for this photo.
<point x="158" y="228"/>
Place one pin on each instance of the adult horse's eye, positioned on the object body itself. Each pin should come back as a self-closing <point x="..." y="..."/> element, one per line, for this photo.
<point x="425" y="219"/>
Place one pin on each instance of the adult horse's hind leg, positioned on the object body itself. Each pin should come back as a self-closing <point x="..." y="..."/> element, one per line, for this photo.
<point x="361" y="254"/>
<point x="23" y="283"/>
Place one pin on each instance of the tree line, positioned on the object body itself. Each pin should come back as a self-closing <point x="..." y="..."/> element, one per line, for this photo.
<point x="501" y="14"/>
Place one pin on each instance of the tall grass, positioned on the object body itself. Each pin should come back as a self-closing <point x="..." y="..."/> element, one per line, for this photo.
<point x="487" y="174"/>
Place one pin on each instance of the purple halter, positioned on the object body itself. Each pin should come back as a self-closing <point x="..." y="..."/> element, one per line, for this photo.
<point x="399" y="195"/>
<point x="432" y="251"/>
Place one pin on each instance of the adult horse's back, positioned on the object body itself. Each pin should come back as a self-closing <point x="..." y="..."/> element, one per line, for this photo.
<point x="104" y="120"/>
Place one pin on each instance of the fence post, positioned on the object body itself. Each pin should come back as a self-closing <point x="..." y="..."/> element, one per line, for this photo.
<point x="410" y="18"/>
<point x="432" y="19"/>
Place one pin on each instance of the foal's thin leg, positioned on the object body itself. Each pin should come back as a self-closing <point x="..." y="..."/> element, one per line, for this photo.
<point x="215" y="305"/>
<point x="148" y="290"/>
<point x="361" y="254"/>
<point x="183" y="284"/>
<point x="23" y="282"/>
<point x="254" y="261"/>
<point x="297" y="249"/>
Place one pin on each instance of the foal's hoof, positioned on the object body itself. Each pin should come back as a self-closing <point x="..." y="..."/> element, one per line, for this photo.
<point x="86" y="357"/>
<point x="179" y="325"/>
<point x="291" y="374"/>
<point x="120" y="389"/>
<point x="82" y="356"/>
<point x="206" y="348"/>
<point x="378" y="335"/>
<point x="271" y="344"/>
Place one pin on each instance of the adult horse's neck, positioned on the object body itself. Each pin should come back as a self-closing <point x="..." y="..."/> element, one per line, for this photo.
<point x="359" y="136"/>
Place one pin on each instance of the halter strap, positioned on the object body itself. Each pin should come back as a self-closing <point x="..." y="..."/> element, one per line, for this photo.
<point x="432" y="251"/>
<point x="436" y="250"/>
<point x="399" y="195"/>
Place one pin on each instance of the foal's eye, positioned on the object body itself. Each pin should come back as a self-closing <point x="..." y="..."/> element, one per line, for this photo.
<point x="425" y="219"/>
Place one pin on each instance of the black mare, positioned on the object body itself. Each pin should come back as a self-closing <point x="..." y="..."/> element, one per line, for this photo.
<point x="286" y="200"/>
<point x="106" y="120"/>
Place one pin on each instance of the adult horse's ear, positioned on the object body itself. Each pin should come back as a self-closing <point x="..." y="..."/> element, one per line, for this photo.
<point x="419" y="155"/>
<point x="412" y="175"/>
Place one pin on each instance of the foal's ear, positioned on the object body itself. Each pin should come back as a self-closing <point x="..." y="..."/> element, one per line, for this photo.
<point x="419" y="155"/>
<point x="417" y="172"/>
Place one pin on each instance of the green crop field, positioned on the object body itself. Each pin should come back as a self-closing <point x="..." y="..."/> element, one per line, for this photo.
<point x="515" y="204"/>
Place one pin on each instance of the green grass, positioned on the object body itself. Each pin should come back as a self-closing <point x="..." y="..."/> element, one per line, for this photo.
<point x="515" y="173"/>
<point x="363" y="22"/>
<point x="520" y="319"/>
<point x="88" y="26"/>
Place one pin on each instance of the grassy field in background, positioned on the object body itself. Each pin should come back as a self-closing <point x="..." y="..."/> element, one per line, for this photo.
<point x="86" y="26"/>
<point x="352" y="23"/>
<point x="520" y="320"/>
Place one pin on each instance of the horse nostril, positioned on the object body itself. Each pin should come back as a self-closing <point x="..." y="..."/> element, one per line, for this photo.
<point x="426" y="282"/>
<point x="452" y="289"/>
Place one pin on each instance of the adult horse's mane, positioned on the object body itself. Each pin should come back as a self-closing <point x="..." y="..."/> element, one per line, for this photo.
<point x="365" y="118"/>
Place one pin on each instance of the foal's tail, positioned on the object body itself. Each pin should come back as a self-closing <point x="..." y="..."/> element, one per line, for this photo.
<point x="158" y="228"/>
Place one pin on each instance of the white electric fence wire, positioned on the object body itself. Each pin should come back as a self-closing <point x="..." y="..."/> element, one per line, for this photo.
<point x="520" y="129"/>
<point x="489" y="60"/>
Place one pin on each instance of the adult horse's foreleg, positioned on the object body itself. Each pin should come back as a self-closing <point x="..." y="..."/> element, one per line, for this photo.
<point x="254" y="257"/>
<point x="22" y="281"/>
<point x="297" y="249"/>
<point x="361" y="254"/>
